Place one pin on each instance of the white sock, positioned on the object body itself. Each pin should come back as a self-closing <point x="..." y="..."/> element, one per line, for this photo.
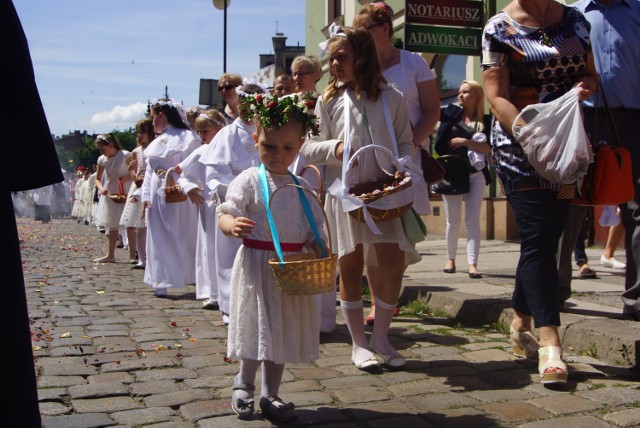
<point x="247" y="375"/>
<point x="271" y="378"/>
<point x="353" y="314"/>
<point x="384" y="315"/>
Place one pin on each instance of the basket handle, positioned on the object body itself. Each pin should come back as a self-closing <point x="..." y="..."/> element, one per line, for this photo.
<point x="169" y="180"/>
<point x="303" y="200"/>
<point x="319" y="174"/>
<point x="383" y="149"/>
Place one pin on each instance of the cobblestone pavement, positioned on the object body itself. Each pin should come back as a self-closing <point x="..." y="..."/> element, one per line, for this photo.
<point x="109" y="353"/>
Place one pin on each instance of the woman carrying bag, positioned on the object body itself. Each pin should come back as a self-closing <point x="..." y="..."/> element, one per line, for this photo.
<point x="460" y="134"/>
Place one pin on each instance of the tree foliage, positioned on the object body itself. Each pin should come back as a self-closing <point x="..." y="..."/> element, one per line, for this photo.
<point x="88" y="154"/>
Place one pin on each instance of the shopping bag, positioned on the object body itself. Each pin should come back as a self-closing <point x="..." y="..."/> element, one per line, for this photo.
<point x="609" y="180"/>
<point x="414" y="227"/>
<point x="553" y="137"/>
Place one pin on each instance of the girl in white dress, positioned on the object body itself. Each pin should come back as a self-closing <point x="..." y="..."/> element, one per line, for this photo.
<point x="132" y="213"/>
<point x="112" y="178"/>
<point x="171" y="226"/>
<point x="357" y="95"/>
<point x="231" y="152"/>
<point x="76" y="210"/>
<point x="409" y="73"/>
<point x="269" y="328"/>
<point x="192" y="178"/>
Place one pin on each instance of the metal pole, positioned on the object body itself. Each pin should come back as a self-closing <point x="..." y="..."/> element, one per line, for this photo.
<point x="224" y="60"/>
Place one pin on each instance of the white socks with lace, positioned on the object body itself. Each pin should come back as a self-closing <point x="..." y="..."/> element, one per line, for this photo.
<point x="353" y="313"/>
<point x="247" y="375"/>
<point x="384" y="315"/>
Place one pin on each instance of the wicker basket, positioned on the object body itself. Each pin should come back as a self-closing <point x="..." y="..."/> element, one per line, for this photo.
<point x="120" y="197"/>
<point x="364" y="191"/>
<point x="305" y="274"/>
<point x="320" y="191"/>
<point x="173" y="192"/>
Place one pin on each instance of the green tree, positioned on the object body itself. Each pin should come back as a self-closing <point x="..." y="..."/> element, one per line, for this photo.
<point x="88" y="154"/>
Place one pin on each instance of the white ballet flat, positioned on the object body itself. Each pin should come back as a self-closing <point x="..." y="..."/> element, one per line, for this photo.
<point x="367" y="364"/>
<point x="394" y="360"/>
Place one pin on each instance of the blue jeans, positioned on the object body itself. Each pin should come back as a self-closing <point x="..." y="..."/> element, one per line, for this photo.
<point x="540" y="218"/>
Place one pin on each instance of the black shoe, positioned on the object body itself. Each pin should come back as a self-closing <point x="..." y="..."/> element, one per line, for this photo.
<point x="449" y="270"/>
<point x="475" y="275"/>
<point x="630" y="314"/>
<point x="282" y="413"/>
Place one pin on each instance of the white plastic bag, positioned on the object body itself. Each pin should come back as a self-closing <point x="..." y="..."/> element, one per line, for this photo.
<point x="477" y="159"/>
<point x="554" y="139"/>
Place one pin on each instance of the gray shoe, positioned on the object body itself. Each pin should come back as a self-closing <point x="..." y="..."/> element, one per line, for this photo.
<point x="243" y="407"/>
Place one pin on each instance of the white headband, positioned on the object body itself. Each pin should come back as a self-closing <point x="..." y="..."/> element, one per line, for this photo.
<point x="334" y="30"/>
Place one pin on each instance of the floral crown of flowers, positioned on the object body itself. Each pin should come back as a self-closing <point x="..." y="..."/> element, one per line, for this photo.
<point x="274" y="111"/>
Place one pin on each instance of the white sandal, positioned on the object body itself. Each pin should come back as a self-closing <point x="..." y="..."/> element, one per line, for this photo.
<point x="553" y="360"/>
<point x="524" y="344"/>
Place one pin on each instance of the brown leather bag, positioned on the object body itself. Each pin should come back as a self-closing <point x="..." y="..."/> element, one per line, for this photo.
<point x="432" y="171"/>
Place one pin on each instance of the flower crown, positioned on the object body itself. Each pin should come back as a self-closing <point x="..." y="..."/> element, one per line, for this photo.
<point x="273" y="111"/>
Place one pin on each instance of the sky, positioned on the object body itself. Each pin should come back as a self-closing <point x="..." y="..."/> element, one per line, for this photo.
<point x="98" y="63"/>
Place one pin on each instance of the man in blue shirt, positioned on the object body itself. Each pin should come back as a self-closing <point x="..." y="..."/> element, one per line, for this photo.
<point x="615" y="40"/>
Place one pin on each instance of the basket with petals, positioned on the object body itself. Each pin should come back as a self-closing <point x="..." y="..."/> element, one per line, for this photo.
<point x="306" y="273"/>
<point x="120" y="197"/>
<point x="386" y="198"/>
<point x="172" y="191"/>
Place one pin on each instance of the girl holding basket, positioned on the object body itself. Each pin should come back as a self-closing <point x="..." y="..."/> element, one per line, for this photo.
<point x="359" y="109"/>
<point x="268" y="327"/>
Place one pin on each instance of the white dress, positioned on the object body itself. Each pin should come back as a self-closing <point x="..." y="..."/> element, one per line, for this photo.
<point x="171" y="227"/>
<point x="319" y="150"/>
<point x="115" y="168"/>
<point x="193" y="176"/>
<point x="405" y="76"/>
<point x="265" y="323"/>
<point x="230" y="152"/>
<point x="76" y="210"/>
<point x="86" y="194"/>
<point x="132" y="212"/>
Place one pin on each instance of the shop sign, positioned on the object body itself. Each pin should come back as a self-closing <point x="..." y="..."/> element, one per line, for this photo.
<point x="456" y="13"/>
<point x="444" y="40"/>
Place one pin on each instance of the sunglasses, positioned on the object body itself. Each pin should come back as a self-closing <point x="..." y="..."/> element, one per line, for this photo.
<point x="226" y="86"/>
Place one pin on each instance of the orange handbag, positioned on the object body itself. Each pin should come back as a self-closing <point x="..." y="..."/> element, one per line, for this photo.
<point x="608" y="180"/>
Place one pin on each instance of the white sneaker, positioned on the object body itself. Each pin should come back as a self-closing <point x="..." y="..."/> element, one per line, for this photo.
<point x="225" y="319"/>
<point x="160" y="292"/>
<point x="612" y="263"/>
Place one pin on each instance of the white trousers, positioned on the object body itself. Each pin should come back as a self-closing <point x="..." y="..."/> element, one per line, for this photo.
<point x="453" y="211"/>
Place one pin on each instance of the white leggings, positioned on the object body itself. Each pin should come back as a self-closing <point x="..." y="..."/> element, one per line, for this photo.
<point x="453" y="211"/>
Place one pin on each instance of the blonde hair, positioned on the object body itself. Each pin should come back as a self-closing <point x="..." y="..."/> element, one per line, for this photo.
<point x="479" y="107"/>
<point x="211" y="117"/>
<point x="232" y="78"/>
<point x="309" y="61"/>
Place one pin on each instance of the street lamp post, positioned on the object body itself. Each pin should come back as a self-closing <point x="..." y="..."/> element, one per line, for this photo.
<point x="223" y="4"/>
